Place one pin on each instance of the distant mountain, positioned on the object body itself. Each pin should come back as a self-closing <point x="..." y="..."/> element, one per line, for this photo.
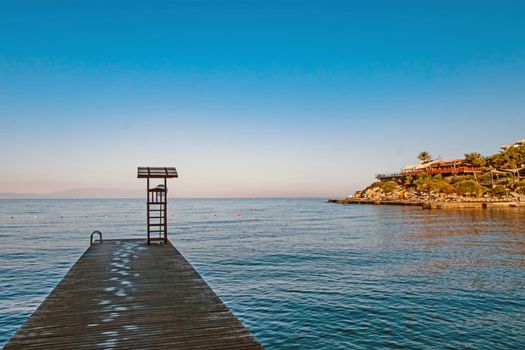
<point x="76" y="193"/>
<point x="13" y="195"/>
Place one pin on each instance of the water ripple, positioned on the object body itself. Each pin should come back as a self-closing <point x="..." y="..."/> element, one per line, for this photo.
<point x="301" y="274"/>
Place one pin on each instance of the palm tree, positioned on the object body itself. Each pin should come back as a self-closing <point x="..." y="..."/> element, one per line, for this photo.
<point x="424" y="157"/>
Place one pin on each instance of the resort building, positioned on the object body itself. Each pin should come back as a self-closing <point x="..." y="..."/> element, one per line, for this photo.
<point x="445" y="168"/>
<point x="451" y="167"/>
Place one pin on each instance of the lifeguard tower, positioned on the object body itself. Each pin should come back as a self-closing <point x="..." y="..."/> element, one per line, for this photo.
<point x="157" y="201"/>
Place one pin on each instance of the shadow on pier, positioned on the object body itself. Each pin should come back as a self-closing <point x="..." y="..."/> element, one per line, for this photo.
<point x="126" y="294"/>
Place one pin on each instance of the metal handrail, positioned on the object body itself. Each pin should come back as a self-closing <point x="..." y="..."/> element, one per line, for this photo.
<point x="91" y="238"/>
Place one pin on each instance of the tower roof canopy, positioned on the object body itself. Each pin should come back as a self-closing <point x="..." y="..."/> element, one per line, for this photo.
<point x="156" y="172"/>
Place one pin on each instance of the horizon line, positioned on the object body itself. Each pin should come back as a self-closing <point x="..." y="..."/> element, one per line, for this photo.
<point x="113" y="198"/>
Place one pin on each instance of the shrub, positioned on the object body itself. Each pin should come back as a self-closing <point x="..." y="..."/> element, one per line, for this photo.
<point x="469" y="187"/>
<point x="485" y="177"/>
<point x="374" y="185"/>
<point x="499" y="191"/>
<point x="422" y="182"/>
<point x="441" y="186"/>
<point x="520" y="183"/>
<point x="433" y="184"/>
<point x="389" y="186"/>
<point x="508" y="181"/>
<point x="520" y="186"/>
<point x="437" y="177"/>
<point x="461" y="178"/>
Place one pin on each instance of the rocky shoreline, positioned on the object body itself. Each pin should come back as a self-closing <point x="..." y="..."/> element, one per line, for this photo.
<point x="380" y="194"/>
<point x="433" y="204"/>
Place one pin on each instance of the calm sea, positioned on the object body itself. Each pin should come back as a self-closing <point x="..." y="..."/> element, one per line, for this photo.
<point x="301" y="273"/>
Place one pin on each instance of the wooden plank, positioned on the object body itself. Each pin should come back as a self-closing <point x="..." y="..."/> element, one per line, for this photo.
<point x="125" y="294"/>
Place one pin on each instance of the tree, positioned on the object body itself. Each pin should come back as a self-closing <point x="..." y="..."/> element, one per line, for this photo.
<point x="469" y="187"/>
<point x="424" y="157"/>
<point x="511" y="158"/>
<point x="475" y="160"/>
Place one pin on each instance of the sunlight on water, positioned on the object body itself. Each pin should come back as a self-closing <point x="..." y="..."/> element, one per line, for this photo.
<point x="302" y="274"/>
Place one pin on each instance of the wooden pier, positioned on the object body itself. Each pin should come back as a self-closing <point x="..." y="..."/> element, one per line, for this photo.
<point x="125" y="294"/>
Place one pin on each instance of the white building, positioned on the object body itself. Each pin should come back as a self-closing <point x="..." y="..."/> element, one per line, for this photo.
<point x="518" y="143"/>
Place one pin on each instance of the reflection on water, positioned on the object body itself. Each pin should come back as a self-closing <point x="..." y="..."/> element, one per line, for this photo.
<point x="303" y="274"/>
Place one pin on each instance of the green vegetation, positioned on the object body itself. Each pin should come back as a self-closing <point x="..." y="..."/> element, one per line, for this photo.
<point x="386" y="186"/>
<point x="499" y="191"/>
<point x="433" y="184"/>
<point x="520" y="186"/>
<point x="512" y="158"/>
<point x="475" y="160"/>
<point x="469" y="187"/>
<point x="389" y="186"/>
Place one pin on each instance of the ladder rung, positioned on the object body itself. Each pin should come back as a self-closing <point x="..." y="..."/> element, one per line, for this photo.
<point x="156" y="224"/>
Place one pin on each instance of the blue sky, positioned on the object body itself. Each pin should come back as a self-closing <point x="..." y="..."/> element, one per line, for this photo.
<point x="252" y="98"/>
